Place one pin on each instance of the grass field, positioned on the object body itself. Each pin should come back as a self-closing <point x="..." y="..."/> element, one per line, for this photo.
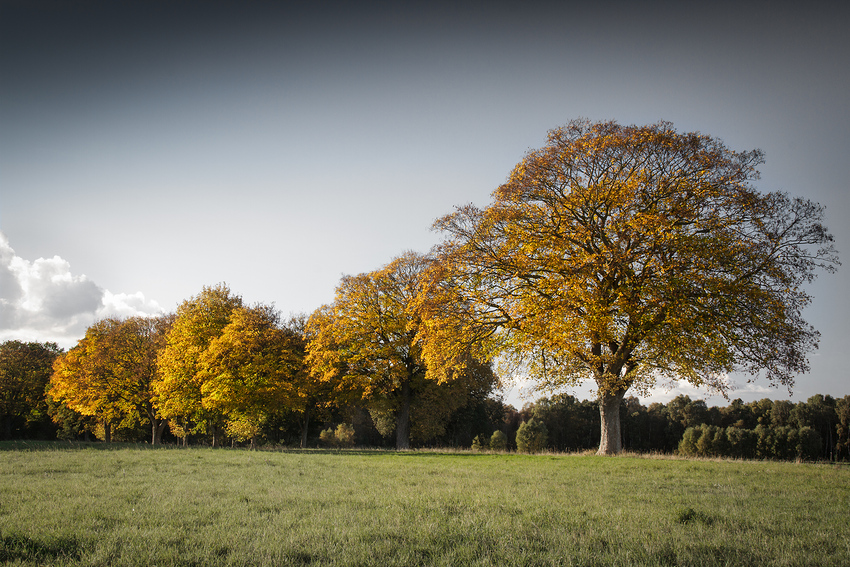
<point x="95" y="505"/>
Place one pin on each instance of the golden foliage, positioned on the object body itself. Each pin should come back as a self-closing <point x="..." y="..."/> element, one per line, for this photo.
<point x="622" y="253"/>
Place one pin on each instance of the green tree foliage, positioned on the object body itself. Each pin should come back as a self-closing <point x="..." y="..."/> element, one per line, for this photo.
<point x="819" y="413"/>
<point x="532" y="436"/>
<point x="571" y="424"/>
<point x="25" y="370"/>
<point x="842" y="445"/>
<point x="109" y="374"/>
<point x="782" y="442"/>
<point x="498" y="441"/>
<point x="619" y="254"/>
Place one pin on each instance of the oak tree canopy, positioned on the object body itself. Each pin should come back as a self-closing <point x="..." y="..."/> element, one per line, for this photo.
<point x="623" y="254"/>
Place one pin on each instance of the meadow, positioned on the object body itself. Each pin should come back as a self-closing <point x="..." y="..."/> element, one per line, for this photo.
<point x="64" y="504"/>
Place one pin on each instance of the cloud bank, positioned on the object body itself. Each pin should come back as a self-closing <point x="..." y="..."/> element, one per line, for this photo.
<point x="44" y="301"/>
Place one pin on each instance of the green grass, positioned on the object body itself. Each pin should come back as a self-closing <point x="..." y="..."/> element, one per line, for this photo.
<point x="91" y="505"/>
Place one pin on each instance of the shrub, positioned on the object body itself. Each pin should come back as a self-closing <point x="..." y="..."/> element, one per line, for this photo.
<point x="499" y="441"/>
<point x="327" y="436"/>
<point x="532" y="436"/>
<point x="344" y="435"/>
<point x="705" y="443"/>
<point x="479" y="443"/>
<point x="809" y="444"/>
<point x="688" y="444"/>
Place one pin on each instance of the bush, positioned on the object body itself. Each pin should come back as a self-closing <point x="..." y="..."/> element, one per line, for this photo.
<point x="327" y="436"/>
<point x="499" y="441"/>
<point x="342" y="437"/>
<point x="479" y="443"/>
<point x="688" y="444"/>
<point x="741" y="442"/>
<point x="532" y="436"/>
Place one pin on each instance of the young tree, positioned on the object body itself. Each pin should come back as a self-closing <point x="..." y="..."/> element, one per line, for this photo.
<point x="621" y="254"/>
<point x="25" y="369"/>
<point x="498" y="441"/>
<point x="532" y="436"/>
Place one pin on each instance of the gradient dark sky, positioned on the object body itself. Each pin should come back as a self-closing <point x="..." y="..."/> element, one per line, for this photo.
<point x="160" y="147"/>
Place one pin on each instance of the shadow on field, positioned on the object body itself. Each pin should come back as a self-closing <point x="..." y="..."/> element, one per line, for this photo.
<point x="23" y="548"/>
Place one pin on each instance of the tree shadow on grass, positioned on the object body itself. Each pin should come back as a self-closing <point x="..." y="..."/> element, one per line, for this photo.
<point x="23" y="548"/>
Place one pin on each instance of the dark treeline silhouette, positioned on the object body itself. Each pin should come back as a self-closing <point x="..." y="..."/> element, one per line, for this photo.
<point x="816" y="429"/>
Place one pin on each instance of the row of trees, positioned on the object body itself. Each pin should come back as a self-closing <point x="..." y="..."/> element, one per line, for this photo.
<point x="218" y="368"/>
<point x="818" y="428"/>
<point x="617" y="254"/>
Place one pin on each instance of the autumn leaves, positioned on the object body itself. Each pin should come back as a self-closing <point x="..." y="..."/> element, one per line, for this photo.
<point x="616" y="254"/>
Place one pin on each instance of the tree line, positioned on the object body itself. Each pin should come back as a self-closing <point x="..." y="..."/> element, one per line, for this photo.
<point x="817" y="429"/>
<point x="614" y="254"/>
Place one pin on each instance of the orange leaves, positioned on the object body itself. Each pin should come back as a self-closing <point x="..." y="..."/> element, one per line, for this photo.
<point x="110" y="372"/>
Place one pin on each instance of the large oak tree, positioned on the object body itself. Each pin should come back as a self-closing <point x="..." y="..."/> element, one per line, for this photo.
<point x="622" y="254"/>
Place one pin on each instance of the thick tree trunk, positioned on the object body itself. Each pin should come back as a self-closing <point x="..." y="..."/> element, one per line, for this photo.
<point x="611" y="442"/>
<point x="306" y="427"/>
<point x="107" y="432"/>
<point x="402" y="430"/>
<point x="157" y="428"/>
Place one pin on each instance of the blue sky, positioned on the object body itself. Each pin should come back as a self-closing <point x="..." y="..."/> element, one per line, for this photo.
<point x="149" y="149"/>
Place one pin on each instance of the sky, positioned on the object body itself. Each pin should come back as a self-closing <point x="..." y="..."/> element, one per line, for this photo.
<point x="149" y="149"/>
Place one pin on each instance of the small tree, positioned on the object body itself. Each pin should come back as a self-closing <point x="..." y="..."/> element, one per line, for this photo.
<point x="344" y="435"/>
<point x="532" y="436"/>
<point x="498" y="441"/>
<point x="327" y="436"/>
<point x="479" y="443"/>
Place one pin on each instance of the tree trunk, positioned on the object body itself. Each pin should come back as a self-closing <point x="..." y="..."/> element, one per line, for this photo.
<point x="306" y="427"/>
<point x="611" y="442"/>
<point x="7" y="426"/>
<point x="402" y="430"/>
<point x="107" y="432"/>
<point x="158" y="427"/>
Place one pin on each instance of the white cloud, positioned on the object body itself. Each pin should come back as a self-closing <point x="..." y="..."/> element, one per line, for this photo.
<point x="44" y="301"/>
